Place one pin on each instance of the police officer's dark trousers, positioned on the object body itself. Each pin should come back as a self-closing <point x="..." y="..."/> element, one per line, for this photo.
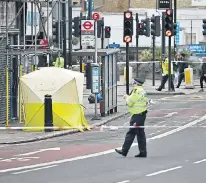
<point x="164" y="80"/>
<point x="202" y="78"/>
<point x="138" y="120"/>
<point x="180" y="78"/>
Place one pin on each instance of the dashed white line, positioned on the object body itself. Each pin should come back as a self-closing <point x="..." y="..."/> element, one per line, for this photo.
<point x="163" y="171"/>
<point x="197" y="162"/>
<point x="32" y="170"/>
<point x="125" y="181"/>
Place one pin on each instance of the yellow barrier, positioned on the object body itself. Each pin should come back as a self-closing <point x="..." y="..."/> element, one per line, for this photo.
<point x="83" y="67"/>
<point x="7" y="96"/>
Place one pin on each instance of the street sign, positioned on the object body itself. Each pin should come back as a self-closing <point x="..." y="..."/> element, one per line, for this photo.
<point x="95" y="16"/>
<point x="164" y="4"/>
<point x="127" y="39"/>
<point x="177" y="37"/>
<point x="114" y="45"/>
<point x="87" y="33"/>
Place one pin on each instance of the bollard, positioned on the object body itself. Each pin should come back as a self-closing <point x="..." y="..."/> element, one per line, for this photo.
<point x="48" y="114"/>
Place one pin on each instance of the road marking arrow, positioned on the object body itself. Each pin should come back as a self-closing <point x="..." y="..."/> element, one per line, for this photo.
<point x="170" y="114"/>
<point x="42" y="150"/>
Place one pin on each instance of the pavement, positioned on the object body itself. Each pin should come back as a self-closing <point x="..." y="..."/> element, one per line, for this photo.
<point x="175" y="130"/>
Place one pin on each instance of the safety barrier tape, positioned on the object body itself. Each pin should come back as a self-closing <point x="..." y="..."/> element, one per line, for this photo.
<point x="146" y="62"/>
<point x="94" y="127"/>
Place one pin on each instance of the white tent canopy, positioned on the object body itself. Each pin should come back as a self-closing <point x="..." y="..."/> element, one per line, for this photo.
<point x="50" y="80"/>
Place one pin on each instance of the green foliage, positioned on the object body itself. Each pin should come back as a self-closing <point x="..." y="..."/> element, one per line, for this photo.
<point x="146" y="54"/>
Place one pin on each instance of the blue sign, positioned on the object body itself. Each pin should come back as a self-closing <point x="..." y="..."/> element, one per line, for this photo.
<point x="177" y="37"/>
<point x="198" y="49"/>
<point x="114" y="46"/>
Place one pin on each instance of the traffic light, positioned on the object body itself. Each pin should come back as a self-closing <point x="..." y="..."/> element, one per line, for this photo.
<point x="155" y="26"/>
<point x="146" y="27"/>
<point x="128" y="27"/>
<point x="204" y="27"/>
<point x="100" y="24"/>
<point x="76" y="26"/>
<point x="174" y="31"/>
<point x="140" y="29"/>
<point x="169" y="23"/>
<point x="107" y="32"/>
<point x="55" y="34"/>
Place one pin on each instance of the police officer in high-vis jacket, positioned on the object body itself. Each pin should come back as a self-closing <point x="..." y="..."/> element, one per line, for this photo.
<point x="137" y="104"/>
<point x="165" y="75"/>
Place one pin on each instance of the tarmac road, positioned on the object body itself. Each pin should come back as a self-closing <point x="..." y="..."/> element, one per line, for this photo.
<point x="175" y="154"/>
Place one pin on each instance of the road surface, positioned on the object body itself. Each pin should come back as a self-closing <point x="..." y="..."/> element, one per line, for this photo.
<point x="176" y="151"/>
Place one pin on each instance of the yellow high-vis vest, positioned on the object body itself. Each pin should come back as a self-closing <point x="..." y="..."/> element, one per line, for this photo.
<point x="165" y="67"/>
<point x="59" y="62"/>
<point x="137" y="101"/>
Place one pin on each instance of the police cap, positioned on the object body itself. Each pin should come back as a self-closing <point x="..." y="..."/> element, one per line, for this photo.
<point x="138" y="81"/>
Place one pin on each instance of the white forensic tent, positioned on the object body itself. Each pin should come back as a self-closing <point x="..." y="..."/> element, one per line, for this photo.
<point x="65" y="87"/>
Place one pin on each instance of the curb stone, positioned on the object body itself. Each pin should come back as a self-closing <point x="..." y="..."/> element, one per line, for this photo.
<point x="65" y="132"/>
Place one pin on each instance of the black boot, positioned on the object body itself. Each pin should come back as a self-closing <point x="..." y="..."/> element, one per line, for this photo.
<point x="141" y="155"/>
<point x="121" y="152"/>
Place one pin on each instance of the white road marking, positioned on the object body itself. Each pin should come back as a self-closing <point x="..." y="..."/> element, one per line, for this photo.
<point x="42" y="150"/>
<point x="125" y="181"/>
<point x="18" y="159"/>
<point x="170" y="114"/>
<point x="32" y="170"/>
<point x="163" y="171"/>
<point x="103" y="152"/>
<point x="161" y="122"/>
<point x="179" y="128"/>
<point x="197" y="162"/>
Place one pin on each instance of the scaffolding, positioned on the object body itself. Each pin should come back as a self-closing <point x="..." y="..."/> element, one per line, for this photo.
<point x="20" y="35"/>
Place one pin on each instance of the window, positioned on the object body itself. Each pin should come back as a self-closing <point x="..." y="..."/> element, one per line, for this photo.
<point x="190" y="38"/>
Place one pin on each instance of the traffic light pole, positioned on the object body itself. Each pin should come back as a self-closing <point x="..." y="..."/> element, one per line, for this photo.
<point x="102" y="36"/>
<point x="127" y="68"/>
<point x="175" y="20"/>
<point x="64" y="34"/>
<point x="137" y="41"/>
<point x="169" y="56"/>
<point x="153" y="58"/>
<point x="69" y="62"/>
<point x="80" y="42"/>
<point x="163" y="35"/>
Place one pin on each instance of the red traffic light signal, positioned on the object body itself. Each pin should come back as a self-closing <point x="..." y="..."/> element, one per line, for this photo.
<point x="108" y="29"/>
<point x="169" y="12"/>
<point x="128" y="15"/>
<point x="128" y="27"/>
<point x="168" y="33"/>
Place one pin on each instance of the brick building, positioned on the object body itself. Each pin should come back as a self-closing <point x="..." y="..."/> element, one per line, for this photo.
<point x="122" y="5"/>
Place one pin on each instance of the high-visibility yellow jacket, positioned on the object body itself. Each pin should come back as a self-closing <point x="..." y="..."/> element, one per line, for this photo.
<point x="137" y="100"/>
<point x="165" y="67"/>
<point x="59" y="62"/>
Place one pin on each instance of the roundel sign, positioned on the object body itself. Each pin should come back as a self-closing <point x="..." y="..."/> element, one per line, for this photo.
<point x="127" y="39"/>
<point x="95" y="16"/>
<point x="87" y="25"/>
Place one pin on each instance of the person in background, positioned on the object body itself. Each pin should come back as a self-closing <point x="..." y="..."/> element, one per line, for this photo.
<point x="202" y="76"/>
<point x="165" y="72"/>
<point x="137" y="104"/>
<point x="181" y="67"/>
<point x="59" y="62"/>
